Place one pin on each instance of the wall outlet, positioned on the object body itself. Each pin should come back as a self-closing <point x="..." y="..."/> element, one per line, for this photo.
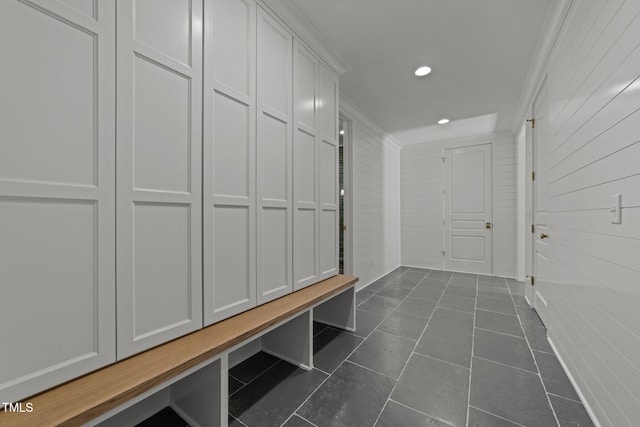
<point x="616" y="209"/>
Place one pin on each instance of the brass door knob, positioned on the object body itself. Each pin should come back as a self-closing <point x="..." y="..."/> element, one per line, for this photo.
<point x="543" y="235"/>
<point x="488" y="226"/>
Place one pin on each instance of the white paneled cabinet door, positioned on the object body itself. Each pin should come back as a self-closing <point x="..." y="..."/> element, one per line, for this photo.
<point x="229" y="160"/>
<point x="305" y="163"/>
<point x="274" y="160"/>
<point x="158" y="172"/>
<point x="328" y="172"/>
<point x="57" y="195"/>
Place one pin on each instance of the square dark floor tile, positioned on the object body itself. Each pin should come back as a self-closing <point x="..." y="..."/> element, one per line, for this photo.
<point x="440" y="275"/>
<point x="505" y="349"/>
<point x="420" y="269"/>
<point x="366" y="322"/>
<point x="498" y="305"/>
<point x="492" y="280"/>
<point x="377" y="285"/>
<point x="432" y="284"/>
<point x="463" y="281"/>
<point x="331" y="347"/>
<point x="362" y="295"/>
<point x="510" y="393"/>
<point x="426" y="293"/>
<point x="478" y="418"/>
<point x="406" y="282"/>
<point x="498" y="322"/>
<point x="452" y="319"/>
<point x="516" y="288"/>
<point x="383" y="353"/>
<point x="467" y="275"/>
<point x="234" y="385"/>
<point x="537" y="338"/>
<point x="460" y="291"/>
<point x="457" y="303"/>
<point x="166" y="417"/>
<point x="404" y="325"/>
<point x="272" y="397"/>
<point x="296" y="421"/>
<point x="397" y="415"/>
<point x="448" y="344"/>
<point x="352" y="396"/>
<point x="529" y="317"/>
<point x="248" y="369"/>
<point x="553" y="376"/>
<point x="380" y="305"/>
<point x="570" y="413"/>
<point x="436" y="388"/>
<point x="416" y="306"/>
<point x="393" y="291"/>
<point x="520" y="301"/>
<point x="493" y="291"/>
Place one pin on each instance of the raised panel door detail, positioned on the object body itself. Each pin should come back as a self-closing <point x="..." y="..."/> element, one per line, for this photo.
<point x="467" y="248"/>
<point x="328" y="101"/>
<point x="305" y="100"/>
<point x="232" y="148"/>
<point x="234" y="38"/>
<point x="306" y="246"/>
<point x="304" y="164"/>
<point x="161" y="131"/>
<point x="57" y="193"/>
<point x="328" y="173"/>
<point x="165" y="26"/>
<point x="275" y="251"/>
<point x="49" y="104"/>
<point x="467" y="183"/>
<point x="328" y="244"/>
<point x="48" y="255"/>
<point x="232" y="247"/>
<point x="275" y="148"/>
<point x="162" y="277"/>
<point x="274" y="66"/>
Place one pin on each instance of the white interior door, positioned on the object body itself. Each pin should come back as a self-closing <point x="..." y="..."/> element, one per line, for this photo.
<point x="468" y="242"/>
<point x="528" y="212"/>
<point x="540" y="204"/>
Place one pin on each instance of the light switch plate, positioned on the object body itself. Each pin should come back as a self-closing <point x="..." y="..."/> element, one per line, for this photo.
<point x="616" y="209"/>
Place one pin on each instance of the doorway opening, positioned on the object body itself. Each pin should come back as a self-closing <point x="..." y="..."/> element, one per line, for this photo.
<point x="344" y="188"/>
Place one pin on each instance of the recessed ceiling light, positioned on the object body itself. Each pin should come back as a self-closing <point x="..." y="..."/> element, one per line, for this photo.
<point x="342" y="132"/>
<point x="443" y="121"/>
<point x="423" y="71"/>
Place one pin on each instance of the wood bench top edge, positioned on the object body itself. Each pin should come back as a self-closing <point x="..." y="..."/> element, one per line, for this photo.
<point x="85" y="398"/>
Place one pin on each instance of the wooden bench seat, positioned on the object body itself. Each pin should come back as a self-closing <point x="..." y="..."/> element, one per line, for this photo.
<point x="83" y="399"/>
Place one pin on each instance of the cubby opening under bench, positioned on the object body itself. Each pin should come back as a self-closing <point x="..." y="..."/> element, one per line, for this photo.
<point x="190" y="374"/>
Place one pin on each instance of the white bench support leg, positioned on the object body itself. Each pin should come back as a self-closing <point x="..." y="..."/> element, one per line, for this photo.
<point x="200" y="398"/>
<point x="339" y="311"/>
<point x="292" y="341"/>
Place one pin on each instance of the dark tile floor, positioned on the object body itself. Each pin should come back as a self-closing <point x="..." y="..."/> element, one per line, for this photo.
<point x="431" y="348"/>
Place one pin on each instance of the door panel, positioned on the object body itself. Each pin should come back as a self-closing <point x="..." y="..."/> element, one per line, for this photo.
<point x="540" y="205"/>
<point x="57" y="193"/>
<point x="468" y="209"/>
<point x="158" y="167"/>
<point x="229" y="158"/>
<point x="528" y="213"/>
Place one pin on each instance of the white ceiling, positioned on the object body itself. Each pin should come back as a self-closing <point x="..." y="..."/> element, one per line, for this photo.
<point x="480" y="52"/>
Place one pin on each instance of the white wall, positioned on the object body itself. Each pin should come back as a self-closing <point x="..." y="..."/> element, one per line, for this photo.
<point x="376" y="198"/>
<point x="421" y="188"/>
<point x="594" y="122"/>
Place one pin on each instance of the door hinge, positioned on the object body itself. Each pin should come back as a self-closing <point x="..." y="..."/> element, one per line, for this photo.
<point x="442" y="159"/>
<point x="533" y="122"/>
<point x="533" y="281"/>
<point x="533" y="176"/>
<point x="533" y="228"/>
<point x="442" y="253"/>
<point x="443" y="191"/>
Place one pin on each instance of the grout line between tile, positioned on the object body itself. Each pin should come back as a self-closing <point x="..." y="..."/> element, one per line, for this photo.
<point x="508" y="366"/>
<point x="497" y="416"/>
<point x="257" y="376"/>
<point x="440" y="360"/>
<point x="565" y="398"/>
<point x="368" y="369"/>
<point x="414" y="349"/>
<point x="498" y="332"/>
<point x="535" y="362"/>
<point x="473" y="338"/>
<point x="420" y="412"/>
<point x="237" y="419"/>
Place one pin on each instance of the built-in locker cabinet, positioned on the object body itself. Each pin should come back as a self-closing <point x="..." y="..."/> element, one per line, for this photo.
<point x="315" y="151"/>
<point x="229" y="158"/>
<point x="328" y="171"/>
<point x="57" y="195"/>
<point x="305" y="163"/>
<point x="274" y="159"/>
<point x="159" y="140"/>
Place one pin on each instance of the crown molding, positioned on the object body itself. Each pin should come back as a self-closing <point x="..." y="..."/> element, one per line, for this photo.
<point x="353" y="113"/>
<point x="553" y="24"/>
<point x="304" y="30"/>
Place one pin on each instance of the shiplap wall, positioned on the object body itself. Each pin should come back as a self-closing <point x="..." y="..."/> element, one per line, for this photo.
<point x="593" y="76"/>
<point x="376" y="198"/>
<point x="421" y="189"/>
